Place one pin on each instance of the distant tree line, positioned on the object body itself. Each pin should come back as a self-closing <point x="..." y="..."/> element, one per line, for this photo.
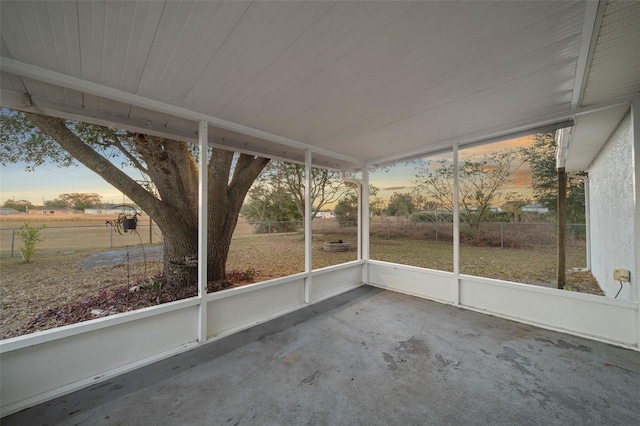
<point x="19" y="205"/>
<point x="75" y="200"/>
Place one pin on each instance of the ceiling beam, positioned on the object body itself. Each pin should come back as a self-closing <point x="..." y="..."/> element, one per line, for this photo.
<point x="594" y="11"/>
<point x="610" y="104"/>
<point x="546" y="126"/>
<point x="21" y="102"/>
<point x="74" y="83"/>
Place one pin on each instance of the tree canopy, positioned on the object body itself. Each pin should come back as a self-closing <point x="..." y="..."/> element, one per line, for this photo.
<point x="544" y="178"/>
<point x="75" y="200"/>
<point x="169" y="190"/>
<point x="326" y="185"/>
<point x="346" y="210"/>
<point x="271" y="209"/>
<point x="401" y="204"/>
<point x="19" y="205"/>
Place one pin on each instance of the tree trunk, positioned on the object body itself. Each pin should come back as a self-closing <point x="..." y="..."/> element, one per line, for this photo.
<point x="179" y="253"/>
<point x="174" y="209"/>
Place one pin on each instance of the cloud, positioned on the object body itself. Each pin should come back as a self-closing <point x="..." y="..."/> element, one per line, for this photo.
<point x="394" y="188"/>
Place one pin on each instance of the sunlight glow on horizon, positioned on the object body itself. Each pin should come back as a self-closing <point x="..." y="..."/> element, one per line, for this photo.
<point x="47" y="182"/>
<point x="400" y="176"/>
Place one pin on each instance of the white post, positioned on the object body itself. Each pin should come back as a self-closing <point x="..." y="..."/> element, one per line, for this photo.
<point x="456" y="227"/>
<point x="202" y="230"/>
<point x="635" y="274"/>
<point x="363" y="220"/>
<point x="308" y="265"/>
<point x="587" y="220"/>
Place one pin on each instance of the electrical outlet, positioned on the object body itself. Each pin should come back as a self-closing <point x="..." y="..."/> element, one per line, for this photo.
<point x="622" y="275"/>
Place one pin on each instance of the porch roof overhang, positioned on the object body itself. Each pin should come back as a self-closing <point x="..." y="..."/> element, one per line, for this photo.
<point x="357" y="83"/>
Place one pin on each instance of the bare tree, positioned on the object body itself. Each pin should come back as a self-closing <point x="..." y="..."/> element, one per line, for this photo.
<point x="481" y="182"/>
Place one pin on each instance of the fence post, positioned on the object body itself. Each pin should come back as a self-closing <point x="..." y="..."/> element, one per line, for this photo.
<point x="269" y="228"/>
<point x="388" y="230"/>
<point x="13" y="240"/>
<point x="436" y="227"/>
<point x="111" y="236"/>
<point x="502" y="235"/>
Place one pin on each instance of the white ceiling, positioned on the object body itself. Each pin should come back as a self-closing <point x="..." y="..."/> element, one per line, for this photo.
<point x="357" y="83"/>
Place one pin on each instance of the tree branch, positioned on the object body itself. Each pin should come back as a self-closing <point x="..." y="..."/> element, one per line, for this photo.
<point x="57" y="130"/>
<point x="117" y="142"/>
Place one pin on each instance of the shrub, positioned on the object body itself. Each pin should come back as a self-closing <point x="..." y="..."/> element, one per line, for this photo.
<point x="423" y="217"/>
<point x="30" y="236"/>
<point x="238" y="275"/>
<point x="274" y="227"/>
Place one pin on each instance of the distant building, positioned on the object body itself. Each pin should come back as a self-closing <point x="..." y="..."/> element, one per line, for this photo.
<point x="106" y="210"/>
<point x="112" y="209"/>
<point x="54" y="210"/>
<point x="535" y="208"/>
<point x="325" y="214"/>
<point x="5" y="211"/>
<point x="492" y="209"/>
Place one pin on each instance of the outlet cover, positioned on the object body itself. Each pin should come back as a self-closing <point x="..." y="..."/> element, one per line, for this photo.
<point x="623" y="275"/>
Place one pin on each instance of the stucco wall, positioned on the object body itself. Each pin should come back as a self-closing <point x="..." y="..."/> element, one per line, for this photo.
<point x="612" y="212"/>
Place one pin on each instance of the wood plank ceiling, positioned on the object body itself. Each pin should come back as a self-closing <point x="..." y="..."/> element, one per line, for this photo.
<point x="355" y="82"/>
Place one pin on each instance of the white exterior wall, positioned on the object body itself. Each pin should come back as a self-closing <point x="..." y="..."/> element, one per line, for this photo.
<point x="612" y="212"/>
<point x="586" y="315"/>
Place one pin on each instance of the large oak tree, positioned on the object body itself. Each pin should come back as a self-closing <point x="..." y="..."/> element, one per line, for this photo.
<point x="169" y="195"/>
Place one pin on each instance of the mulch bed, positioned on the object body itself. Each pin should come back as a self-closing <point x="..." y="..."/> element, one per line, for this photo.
<point x="117" y="300"/>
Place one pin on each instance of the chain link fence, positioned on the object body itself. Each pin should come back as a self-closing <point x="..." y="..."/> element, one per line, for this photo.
<point x="80" y="238"/>
<point x="489" y="234"/>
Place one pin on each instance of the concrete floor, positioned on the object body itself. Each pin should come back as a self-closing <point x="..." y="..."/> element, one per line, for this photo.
<point x="370" y="357"/>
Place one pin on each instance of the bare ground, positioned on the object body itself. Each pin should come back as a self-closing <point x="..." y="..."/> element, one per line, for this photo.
<point x="54" y="280"/>
<point x="90" y="288"/>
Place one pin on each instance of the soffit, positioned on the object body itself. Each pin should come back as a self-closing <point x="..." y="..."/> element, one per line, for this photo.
<point x="590" y="133"/>
<point x="613" y="73"/>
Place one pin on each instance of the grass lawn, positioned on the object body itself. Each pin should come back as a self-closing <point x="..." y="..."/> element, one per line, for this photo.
<point x="280" y="255"/>
<point x="535" y="265"/>
<point x="55" y="278"/>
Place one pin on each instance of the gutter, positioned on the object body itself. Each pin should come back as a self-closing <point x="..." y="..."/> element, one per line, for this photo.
<point x="563" y="140"/>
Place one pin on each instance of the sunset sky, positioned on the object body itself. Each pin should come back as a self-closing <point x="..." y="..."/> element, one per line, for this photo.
<point x="400" y="177"/>
<point x="49" y="181"/>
